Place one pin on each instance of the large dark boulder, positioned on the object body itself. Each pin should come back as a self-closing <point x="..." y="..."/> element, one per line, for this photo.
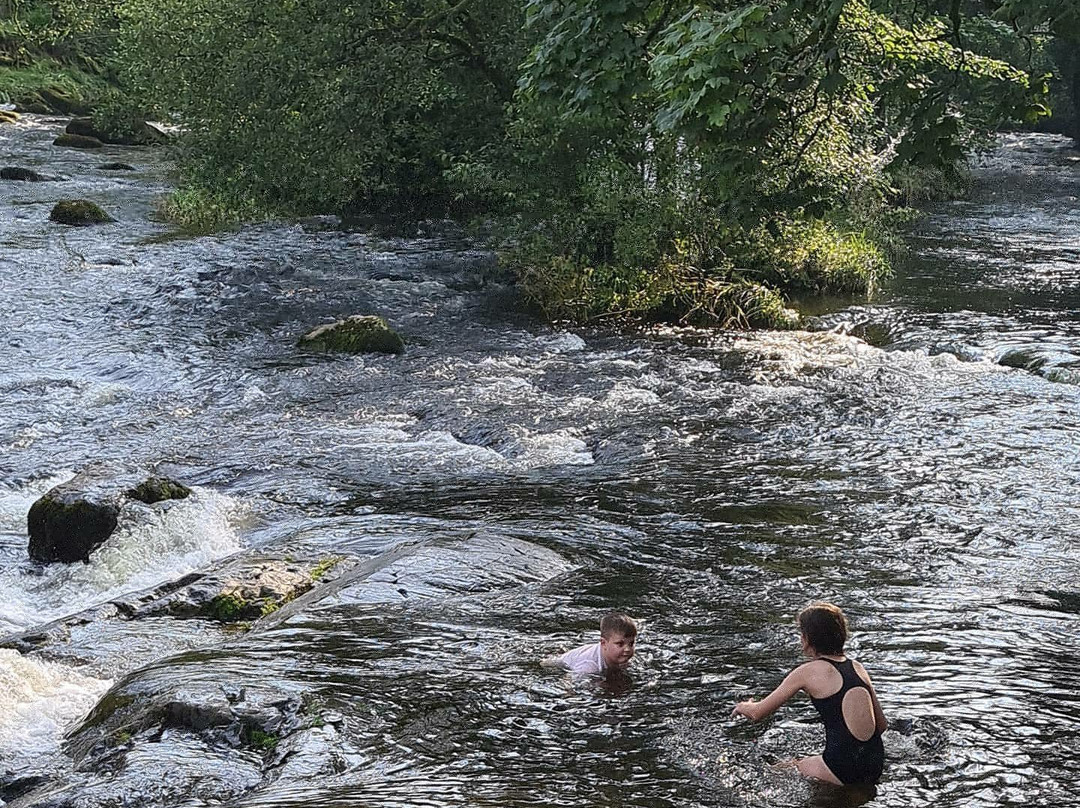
<point x="361" y="333"/>
<point x="20" y="174"/>
<point x="73" y="519"/>
<point x="79" y="213"/>
<point x="130" y="133"/>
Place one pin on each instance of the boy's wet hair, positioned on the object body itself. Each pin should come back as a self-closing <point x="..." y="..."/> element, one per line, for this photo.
<point x="824" y="626"/>
<point x="617" y="623"/>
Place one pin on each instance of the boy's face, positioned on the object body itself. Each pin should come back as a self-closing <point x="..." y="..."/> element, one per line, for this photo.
<point x="617" y="650"/>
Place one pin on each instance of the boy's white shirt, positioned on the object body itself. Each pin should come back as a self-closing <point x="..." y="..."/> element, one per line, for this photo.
<point x="585" y="659"/>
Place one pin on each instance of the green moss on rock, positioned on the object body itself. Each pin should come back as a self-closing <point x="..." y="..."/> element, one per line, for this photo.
<point x="357" y="334"/>
<point x="158" y="489"/>
<point x="229" y="608"/>
<point x="79" y="213"/>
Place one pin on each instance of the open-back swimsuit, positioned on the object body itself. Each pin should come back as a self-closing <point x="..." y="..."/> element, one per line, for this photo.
<point x="851" y="760"/>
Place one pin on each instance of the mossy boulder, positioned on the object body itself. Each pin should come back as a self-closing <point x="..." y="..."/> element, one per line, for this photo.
<point x="78" y="142"/>
<point x="158" y="489"/>
<point x="116" y="167"/>
<point x="79" y="213"/>
<point x="74" y="518"/>
<point x="20" y="174"/>
<point x="361" y="333"/>
<point x="67" y="525"/>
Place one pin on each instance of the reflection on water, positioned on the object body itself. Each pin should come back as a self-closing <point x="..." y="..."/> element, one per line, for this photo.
<point x="710" y="485"/>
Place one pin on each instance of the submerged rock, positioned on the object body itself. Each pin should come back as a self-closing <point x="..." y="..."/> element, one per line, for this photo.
<point x="361" y="333"/>
<point x="19" y="174"/>
<point x="75" y="518"/>
<point x="78" y="142"/>
<point x="79" y="213"/>
<point x="116" y="167"/>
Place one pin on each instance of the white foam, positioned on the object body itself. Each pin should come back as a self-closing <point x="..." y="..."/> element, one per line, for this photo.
<point x="625" y="397"/>
<point x="15" y="502"/>
<point x="39" y="701"/>
<point x="552" y="449"/>
<point x="779" y="356"/>
<point x="150" y="545"/>
<point x="562" y="343"/>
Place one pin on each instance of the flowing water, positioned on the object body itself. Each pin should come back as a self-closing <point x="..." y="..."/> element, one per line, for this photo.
<point x="709" y="484"/>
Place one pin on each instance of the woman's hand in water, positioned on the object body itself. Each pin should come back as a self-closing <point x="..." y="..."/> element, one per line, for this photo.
<point x="747" y="708"/>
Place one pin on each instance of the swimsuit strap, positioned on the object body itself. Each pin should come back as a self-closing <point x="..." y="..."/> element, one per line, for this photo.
<point x="850" y="679"/>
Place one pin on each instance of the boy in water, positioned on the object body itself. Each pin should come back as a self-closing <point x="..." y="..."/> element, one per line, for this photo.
<point x="841" y="690"/>
<point x="618" y="635"/>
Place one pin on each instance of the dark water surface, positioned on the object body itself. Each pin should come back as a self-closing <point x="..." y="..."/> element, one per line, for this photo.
<point x="709" y="484"/>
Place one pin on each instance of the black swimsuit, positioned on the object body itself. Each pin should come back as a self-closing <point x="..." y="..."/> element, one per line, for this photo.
<point x="851" y="760"/>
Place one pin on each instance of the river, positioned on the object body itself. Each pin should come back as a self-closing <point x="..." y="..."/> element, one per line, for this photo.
<point x="710" y="484"/>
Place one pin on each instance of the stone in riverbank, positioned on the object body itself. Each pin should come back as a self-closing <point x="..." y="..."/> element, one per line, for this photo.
<point x="75" y="518"/>
<point x="79" y="213"/>
<point x="137" y="133"/>
<point x="78" y="142"/>
<point x="20" y="174"/>
<point x="361" y="333"/>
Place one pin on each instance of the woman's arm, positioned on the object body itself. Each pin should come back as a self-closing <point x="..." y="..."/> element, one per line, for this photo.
<point x="757" y="710"/>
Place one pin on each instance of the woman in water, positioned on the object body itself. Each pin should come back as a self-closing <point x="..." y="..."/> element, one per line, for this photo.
<point x="844" y="696"/>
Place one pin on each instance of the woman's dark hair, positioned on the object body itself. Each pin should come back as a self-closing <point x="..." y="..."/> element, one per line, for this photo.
<point x="824" y="627"/>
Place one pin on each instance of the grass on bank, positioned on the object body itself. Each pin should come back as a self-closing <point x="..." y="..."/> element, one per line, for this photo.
<point x="49" y="85"/>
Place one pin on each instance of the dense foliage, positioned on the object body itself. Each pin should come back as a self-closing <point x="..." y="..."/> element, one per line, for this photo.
<point x="643" y="158"/>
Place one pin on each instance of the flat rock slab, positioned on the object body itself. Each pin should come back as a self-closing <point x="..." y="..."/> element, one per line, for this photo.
<point x="480" y="563"/>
